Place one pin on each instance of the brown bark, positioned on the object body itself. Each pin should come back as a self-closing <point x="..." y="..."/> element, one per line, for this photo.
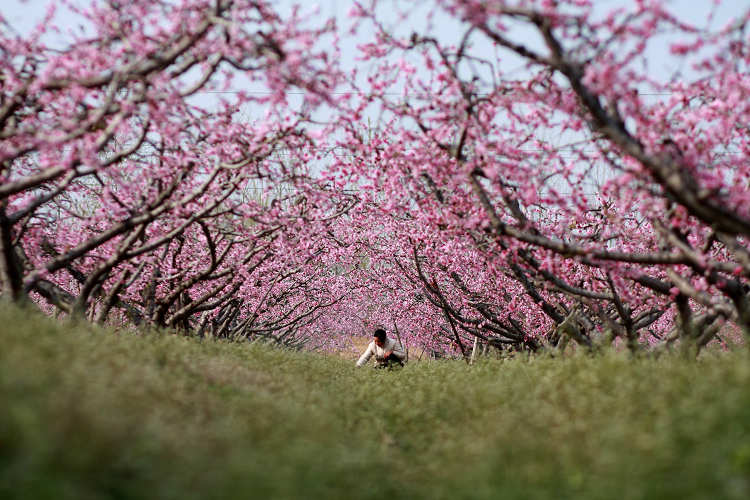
<point x="11" y="280"/>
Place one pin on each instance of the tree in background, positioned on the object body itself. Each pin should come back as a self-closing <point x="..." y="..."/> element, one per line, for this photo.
<point x="126" y="192"/>
<point x="532" y="183"/>
<point x="633" y="223"/>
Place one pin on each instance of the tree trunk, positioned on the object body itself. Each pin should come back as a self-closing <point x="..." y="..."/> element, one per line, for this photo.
<point x="11" y="281"/>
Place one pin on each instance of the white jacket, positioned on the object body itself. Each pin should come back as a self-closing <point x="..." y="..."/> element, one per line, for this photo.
<point x="379" y="352"/>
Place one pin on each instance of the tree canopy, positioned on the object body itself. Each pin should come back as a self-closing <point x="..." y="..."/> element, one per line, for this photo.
<point x="530" y="182"/>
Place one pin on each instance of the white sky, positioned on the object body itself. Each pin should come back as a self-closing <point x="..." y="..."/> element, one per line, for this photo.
<point x="24" y="14"/>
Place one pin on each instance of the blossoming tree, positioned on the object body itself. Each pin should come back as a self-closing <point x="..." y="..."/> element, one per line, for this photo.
<point x="532" y="181"/>
<point x="632" y="222"/>
<point x="123" y="188"/>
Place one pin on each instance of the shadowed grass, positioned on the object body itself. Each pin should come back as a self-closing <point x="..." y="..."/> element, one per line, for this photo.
<point x="85" y="413"/>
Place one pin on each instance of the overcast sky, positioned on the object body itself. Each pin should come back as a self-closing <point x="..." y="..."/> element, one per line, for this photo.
<point x="24" y="14"/>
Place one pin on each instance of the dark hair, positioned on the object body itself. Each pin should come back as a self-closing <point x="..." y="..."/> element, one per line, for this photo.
<point x="380" y="334"/>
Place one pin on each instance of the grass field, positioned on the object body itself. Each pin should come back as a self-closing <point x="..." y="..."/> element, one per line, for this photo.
<point x="88" y="414"/>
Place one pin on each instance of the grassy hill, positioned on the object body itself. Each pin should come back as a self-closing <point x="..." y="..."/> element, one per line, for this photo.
<point x="89" y="414"/>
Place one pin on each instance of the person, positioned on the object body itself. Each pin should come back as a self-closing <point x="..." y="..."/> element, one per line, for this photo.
<point x="388" y="352"/>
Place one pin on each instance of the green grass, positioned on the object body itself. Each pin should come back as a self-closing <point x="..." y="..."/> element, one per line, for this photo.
<point x="88" y="414"/>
